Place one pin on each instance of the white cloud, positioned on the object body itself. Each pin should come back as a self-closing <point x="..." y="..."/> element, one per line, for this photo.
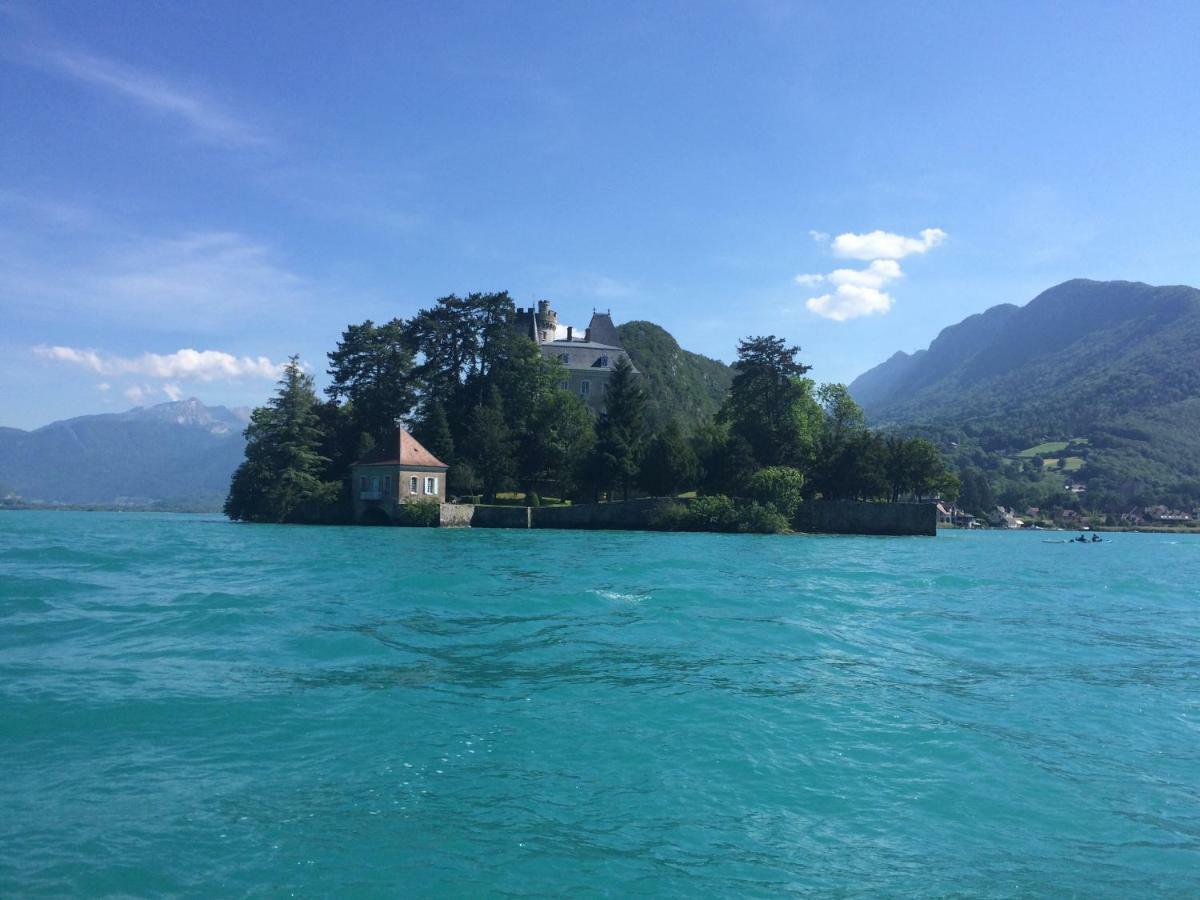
<point x="186" y="364"/>
<point x="884" y="244"/>
<point x="850" y="301"/>
<point x="860" y="292"/>
<point x="820" y="237"/>
<point x="857" y="292"/>
<point x="876" y="275"/>
<point x="104" y="386"/>
<point x="173" y="391"/>
<point x="204" y="116"/>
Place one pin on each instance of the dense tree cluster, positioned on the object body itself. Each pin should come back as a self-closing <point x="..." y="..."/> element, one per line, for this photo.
<point x="283" y="465"/>
<point x="485" y="400"/>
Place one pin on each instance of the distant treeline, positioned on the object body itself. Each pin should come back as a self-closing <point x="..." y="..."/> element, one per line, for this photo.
<point x="481" y="397"/>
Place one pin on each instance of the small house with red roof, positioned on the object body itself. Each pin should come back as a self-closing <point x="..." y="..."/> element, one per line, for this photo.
<point x="399" y="470"/>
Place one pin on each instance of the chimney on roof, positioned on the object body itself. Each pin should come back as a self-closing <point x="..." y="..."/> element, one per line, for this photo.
<point x="570" y="333"/>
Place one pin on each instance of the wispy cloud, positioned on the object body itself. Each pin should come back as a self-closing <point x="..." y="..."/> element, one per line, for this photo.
<point x="56" y="213"/>
<point x="204" y="116"/>
<point x="201" y="281"/>
<point x="137" y="393"/>
<point x="592" y="285"/>
<point x="185" y="364"/>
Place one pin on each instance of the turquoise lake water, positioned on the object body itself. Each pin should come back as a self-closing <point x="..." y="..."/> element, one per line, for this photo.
<point x="192" y="707"/>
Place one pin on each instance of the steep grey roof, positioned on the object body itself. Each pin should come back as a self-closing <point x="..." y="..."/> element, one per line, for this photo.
<point x="585" y="345"/>
<point x="602" y="330"/>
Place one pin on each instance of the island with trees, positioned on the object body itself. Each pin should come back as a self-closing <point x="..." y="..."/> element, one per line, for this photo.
<point x="480" y="395"/>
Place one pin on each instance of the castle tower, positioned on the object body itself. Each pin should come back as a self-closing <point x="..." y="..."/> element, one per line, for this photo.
<point x="547" y="322"/>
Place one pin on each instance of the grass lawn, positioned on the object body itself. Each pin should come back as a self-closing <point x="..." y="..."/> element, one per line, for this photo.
<point x="1044" y="449"/>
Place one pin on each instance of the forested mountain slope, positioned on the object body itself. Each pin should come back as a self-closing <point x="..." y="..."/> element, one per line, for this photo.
<point x="1117" y="363"/>
<point x="680" y="384"/>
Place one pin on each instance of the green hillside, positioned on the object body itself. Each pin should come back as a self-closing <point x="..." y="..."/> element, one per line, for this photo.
<point x="680" y="384"/>
<point x="1113" y="367"/>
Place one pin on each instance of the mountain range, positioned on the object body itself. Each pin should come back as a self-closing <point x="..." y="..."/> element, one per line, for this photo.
<point x="1114" y="366"/>
<point x="175" y="455"/>
<point x="181" y="455"/>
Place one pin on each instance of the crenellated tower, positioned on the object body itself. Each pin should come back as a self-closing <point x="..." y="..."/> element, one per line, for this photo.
<point x="547" y="322"/>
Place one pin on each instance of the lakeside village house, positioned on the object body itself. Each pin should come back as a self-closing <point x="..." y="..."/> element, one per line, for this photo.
<point x="402" y="471"/>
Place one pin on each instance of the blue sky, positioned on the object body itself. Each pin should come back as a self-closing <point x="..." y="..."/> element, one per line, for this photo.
<point x="190" y="192"/>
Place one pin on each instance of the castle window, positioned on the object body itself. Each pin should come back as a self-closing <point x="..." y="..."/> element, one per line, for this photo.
<point x="565" y="385"/>
<point x="362" y="482"/>
<point x="412" y="484"/>
<point x="585" y="388"/>
<point x="564" y="358"/>
<point x="387" y="484"/>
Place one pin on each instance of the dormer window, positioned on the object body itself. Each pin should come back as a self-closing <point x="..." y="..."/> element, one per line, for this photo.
<point x="602" y="362"/>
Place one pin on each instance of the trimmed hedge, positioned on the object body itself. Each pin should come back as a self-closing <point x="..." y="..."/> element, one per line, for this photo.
<point x="419" y="514"/>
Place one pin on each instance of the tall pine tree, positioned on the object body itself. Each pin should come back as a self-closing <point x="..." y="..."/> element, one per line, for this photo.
<point x="490" y="446"/>
<point x="771" y="405"/>
<point x="620" y="433"/>
<point x="283" y="465"/>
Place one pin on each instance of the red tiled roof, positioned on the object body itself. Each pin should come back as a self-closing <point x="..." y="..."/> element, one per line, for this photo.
<point x="401" y="449"/>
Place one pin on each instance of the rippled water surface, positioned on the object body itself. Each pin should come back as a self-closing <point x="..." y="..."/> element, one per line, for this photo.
<point x="193" y="707"/>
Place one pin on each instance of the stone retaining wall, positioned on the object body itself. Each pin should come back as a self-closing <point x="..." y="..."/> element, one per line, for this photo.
<point x="456" y="515"/>
<point x="820" y="517"/>
<point x="854" y="517"/>
<point x="470" y="515"/>
<point x="631" y="515"/>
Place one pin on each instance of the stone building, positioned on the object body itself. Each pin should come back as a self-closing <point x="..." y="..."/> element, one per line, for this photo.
<point x="396" y="471"/>
<point x="588" y="354"/>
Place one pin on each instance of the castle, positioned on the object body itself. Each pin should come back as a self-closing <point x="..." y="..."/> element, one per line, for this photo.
<point x="588" y="357"/>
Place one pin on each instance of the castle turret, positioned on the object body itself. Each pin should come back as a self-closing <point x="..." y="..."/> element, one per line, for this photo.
<point x="547" y="322"/>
